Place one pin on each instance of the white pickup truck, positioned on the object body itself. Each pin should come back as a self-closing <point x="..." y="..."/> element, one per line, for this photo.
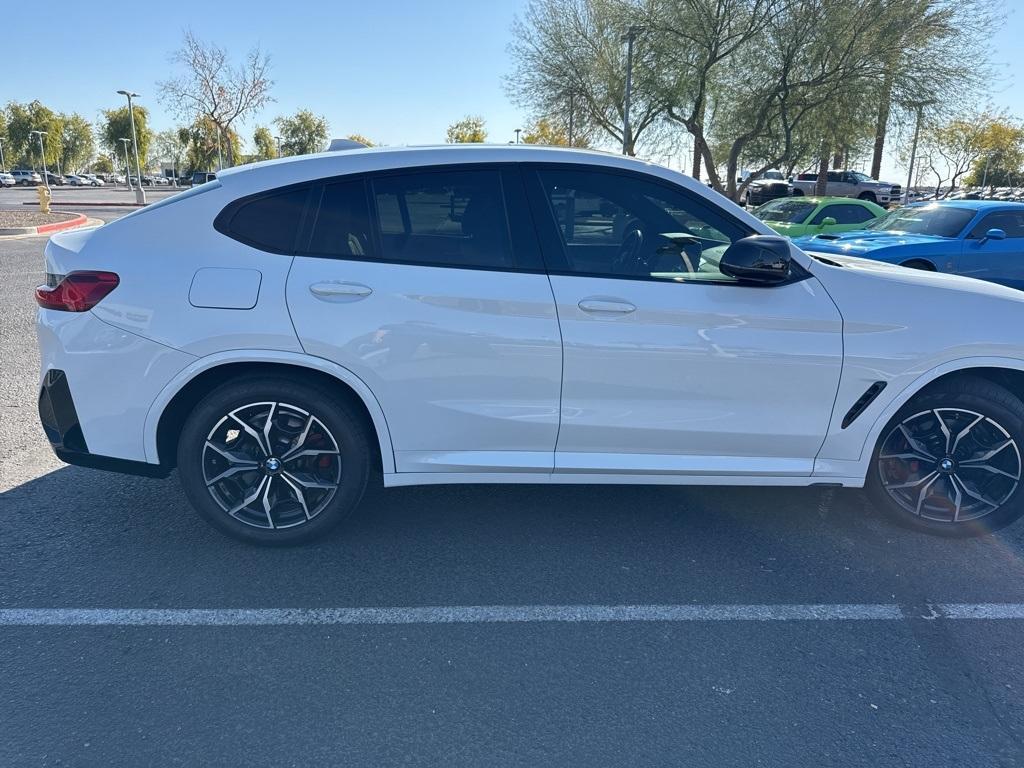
<point x="849" y="184"/>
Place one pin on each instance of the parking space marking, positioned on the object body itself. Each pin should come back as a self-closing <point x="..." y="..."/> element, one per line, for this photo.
<point x="483" y="614"/>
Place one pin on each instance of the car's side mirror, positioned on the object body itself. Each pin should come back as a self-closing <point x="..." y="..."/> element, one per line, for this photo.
<point x="994" y="234"/>
<point x="763" y="259"/>
<point x="828" y="221"/>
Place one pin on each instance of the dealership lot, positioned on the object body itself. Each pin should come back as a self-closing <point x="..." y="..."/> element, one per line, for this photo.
<point x="512" y="625"/>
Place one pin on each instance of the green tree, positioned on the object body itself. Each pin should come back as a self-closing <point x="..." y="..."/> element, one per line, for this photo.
<point x="266" y="147"/>
<point x="77" y="143"/>
<point x="552" y="132"/>
<point x="117" y="125"/>
<point x="102" y="164"/>
<point x="468" y="130"/>
<point x="1001" y="162"/>
<point x="167" y="147"/>
<point x="568" y="55"/>
<point x="22" y="148"/>
<point x="207" y="145"/>
<point x="303" y="133"/>
<point x="361" y="139"/>
<point x="930" y="41"/>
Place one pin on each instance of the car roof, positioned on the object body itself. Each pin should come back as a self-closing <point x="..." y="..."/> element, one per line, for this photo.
<point x="974" y="205"/>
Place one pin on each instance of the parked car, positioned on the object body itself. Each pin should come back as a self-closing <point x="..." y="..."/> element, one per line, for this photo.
<point x="849" y="184"/>
<point x="53" y="179"/>
<point x="92" y="179"/>
<point x="771" y="185"/>
<point x="26" y="178"/>
<point x="515" y="315"/>
<point x="7" y="180"/>
<point x="796" y="216"/>
<point x="979" y="239"/>
<point x="76" y="181"/>
<point x="201" y="177"/>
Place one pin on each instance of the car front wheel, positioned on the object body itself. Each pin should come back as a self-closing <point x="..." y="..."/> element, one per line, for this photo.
<point x="949" y="462"/>
<point x="274" y="461"/>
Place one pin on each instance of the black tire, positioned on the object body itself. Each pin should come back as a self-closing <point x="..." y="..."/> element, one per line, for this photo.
<point x="335" y="423"/>
<point x="961" y="400"/>
<point x="869" y="196"/>
<point x="798" y="193"/>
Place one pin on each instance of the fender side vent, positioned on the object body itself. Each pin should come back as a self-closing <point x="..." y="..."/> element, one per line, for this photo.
<point x="863" y="402"/>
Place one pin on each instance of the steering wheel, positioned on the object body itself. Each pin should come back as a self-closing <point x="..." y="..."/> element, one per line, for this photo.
<point x="629" y="259"/>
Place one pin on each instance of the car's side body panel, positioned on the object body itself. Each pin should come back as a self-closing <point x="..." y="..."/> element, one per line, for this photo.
<point x="461" y="369"/>
<point x="699" y="379"/>
<point x="898" y="329"/>
<point x="462" y="360"/>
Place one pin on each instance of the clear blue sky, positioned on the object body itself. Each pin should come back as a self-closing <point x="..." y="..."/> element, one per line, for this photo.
<point x="397" y="71"/>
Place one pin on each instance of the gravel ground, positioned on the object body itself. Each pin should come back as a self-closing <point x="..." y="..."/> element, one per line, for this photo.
<point x="31" y="218"/>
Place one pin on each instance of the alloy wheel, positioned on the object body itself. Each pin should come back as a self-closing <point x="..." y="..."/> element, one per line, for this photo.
<point x="949" y="465"/>
<point x="271" y="465"/>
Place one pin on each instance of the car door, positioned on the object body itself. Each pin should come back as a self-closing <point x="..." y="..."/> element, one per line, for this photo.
<point x="1001" y="261"/>
<point x="418" y="283"/>
<point x="669" y="366"/>
<point x="840" y="184"/>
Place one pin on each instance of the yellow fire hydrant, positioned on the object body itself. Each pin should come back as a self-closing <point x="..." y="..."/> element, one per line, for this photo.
<point x="44" y="198"/>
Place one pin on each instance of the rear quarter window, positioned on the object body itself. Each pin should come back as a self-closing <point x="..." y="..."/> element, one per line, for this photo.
<point x="269" y="221"/>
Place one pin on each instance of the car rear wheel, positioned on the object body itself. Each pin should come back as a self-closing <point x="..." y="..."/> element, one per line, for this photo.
<point x="274" y="461"/>
<point x="949" y="462"/>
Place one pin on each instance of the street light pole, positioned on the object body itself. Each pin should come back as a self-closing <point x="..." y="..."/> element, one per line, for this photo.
<point x="572" y="114"/>
<point x="518" y="130"/>
<point x="3" y="167"/>
<point x="278" y="140"/>
<point x="128" y="164"/>
<point x="627" y="131"/>
<point x="42" y="155"/>
<point x="920" y="105"/>
<point x="140" y="194"/>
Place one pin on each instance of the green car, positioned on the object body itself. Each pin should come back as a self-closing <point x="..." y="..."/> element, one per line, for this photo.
<point x="796" y="216"/>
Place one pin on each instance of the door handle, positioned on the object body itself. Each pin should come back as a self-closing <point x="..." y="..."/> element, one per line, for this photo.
<point x="600" y="305"/>
<point x="340" y="291"/>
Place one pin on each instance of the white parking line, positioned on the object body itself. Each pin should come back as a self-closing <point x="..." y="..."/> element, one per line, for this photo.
<point x="482" y="614"/>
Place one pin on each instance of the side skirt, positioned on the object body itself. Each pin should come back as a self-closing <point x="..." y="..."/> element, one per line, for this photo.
<point x="394" y="480"/>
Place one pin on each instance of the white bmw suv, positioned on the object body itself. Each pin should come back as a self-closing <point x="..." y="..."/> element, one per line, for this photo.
<point x="294" y="330"/>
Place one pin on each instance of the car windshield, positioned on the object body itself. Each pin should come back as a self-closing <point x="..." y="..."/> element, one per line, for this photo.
<point x="860" y="176"/>
<point x="773" y="175"/>
<point x="788" y="211"/>
<point x="935" y="220"/>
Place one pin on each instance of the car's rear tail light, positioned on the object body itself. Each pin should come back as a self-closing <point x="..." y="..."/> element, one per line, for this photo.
<point x="75" y="291"/>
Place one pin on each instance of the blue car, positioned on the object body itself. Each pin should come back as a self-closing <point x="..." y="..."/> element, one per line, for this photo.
<point x="976" y="238"/>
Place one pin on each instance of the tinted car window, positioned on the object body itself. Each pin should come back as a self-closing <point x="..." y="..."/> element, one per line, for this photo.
<point x="342" y="226"/>
<point x="843" y="214"/>
<point x="446" y="218"/>
<point x="790" y="210"/>
<point x="1011" y="222"/>
<point x="624" y="226"/>
<point x="270" y="222"/>
<point x="937" y="220"/>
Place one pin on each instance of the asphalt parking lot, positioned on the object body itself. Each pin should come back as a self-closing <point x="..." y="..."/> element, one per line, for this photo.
<point x="475" y="625"/>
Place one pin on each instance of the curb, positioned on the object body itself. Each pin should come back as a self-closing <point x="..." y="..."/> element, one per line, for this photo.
<point x="43" y="229"/>
<point x="79" y="204"/>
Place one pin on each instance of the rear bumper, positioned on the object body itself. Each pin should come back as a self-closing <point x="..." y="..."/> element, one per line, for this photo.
<point x="98" y="383"/>
<point x="59" y="418"/>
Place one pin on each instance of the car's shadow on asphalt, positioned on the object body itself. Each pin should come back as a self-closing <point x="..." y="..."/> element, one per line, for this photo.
<point x="481" y="544"/>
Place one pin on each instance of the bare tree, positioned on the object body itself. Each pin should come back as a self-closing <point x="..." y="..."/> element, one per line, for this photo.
<point x="214" y="88"/>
